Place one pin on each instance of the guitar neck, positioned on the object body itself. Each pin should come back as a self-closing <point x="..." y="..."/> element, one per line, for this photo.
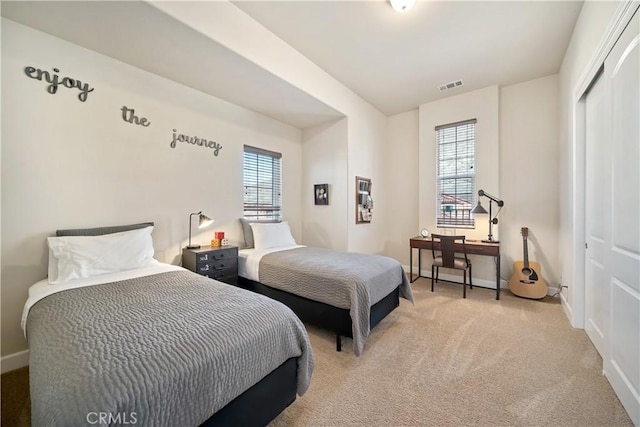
<point x="525" y="250"/>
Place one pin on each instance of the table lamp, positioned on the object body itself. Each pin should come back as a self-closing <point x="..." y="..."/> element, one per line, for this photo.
<point x="203" y="221"/>
<point x="481" y="210"/>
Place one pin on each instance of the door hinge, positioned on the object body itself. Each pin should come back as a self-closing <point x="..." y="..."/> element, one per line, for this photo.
<point x="586" y="245"/>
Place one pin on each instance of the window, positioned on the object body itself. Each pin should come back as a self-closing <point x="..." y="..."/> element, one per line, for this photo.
<point x="456" y="177"/>
<point x="262" y="184"/>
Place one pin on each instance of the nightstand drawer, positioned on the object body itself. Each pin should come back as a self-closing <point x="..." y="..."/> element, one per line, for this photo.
<point x="229" y="276"/>
<point x="217" y="265"/>
<point x="221" y="254"/>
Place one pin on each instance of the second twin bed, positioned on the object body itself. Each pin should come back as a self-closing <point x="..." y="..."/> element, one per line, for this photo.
<point x="344" y="292"/>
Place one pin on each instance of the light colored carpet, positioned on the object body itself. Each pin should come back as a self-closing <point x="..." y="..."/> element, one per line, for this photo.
<point x="444" y="362"/>
<point x="451" y="361"/>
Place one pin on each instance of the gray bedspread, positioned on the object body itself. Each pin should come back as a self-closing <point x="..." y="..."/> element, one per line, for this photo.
<point x="346" y="280"/>
<point x="173" y="348"/>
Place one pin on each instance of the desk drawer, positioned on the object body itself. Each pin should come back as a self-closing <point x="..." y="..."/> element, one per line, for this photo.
<point x="489" y="250"/>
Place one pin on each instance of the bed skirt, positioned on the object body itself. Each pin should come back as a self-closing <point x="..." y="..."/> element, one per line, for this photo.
<point x="324" y="315"/>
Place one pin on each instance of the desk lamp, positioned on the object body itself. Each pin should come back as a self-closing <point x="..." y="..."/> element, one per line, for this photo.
<point x="492" y="220"/>
<point x="203" y="221"/>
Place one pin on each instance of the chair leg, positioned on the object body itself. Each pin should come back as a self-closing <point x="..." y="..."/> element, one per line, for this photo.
<point x="432" y="278"/>
<point x="437" y="273"/>
<point x="464" y="284"/>
<point x="470" y="277"/>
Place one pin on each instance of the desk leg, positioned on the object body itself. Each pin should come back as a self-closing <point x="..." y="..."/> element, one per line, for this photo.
<point x="411" y="279"/>
<point x="498" y="277"/>
<point x="419" y="261"/>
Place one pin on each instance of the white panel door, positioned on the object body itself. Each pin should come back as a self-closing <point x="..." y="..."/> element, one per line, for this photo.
<point x="597" y="218"/>
<point x="622" y="75"/>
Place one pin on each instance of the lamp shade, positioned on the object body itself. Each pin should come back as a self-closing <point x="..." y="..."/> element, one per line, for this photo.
<point x="479" y="209"/>
<point x="204" y="221"/>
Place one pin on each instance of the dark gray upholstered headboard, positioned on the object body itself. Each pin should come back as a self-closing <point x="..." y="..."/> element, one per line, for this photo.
<point x="99" y="231"/>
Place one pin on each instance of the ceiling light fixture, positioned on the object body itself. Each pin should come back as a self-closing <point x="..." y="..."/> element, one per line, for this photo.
<point x="402" y="5"/>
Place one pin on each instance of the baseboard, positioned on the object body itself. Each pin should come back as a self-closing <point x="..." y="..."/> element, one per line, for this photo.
<point x="491" y="284"/>
<point x="14" y="361"/>
<point x="568" y="311"/>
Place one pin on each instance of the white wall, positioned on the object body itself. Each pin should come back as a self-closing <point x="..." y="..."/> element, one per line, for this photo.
<point x="67" y="163"/>
<point x="367" y="145"/>
<point x="589" y="31"/>
<point x="482" y="104"/>
<point x="324" y="161"/>
<point x="231" y="27"/>
<point x="401" y="185"/>
<point x="516" y="150"/>
<point x="529" y="174"/>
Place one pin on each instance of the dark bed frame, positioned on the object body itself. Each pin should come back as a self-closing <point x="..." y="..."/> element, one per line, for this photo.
<point x="324" y="315"/>
<point x="259" y="404"/>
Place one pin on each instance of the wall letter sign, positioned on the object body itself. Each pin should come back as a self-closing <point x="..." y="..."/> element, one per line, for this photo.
<point x="129" y="116"/>
<point x="54" y="80"/>
<point x="195" y="141"/>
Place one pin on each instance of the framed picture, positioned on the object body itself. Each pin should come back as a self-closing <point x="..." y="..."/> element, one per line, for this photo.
<point x="364" y="202"/>
<point x="321" y="194"/>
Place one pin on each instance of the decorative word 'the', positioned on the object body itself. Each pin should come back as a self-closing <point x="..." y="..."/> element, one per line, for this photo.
<point x="54" y="79"/>
<point x="129" y="115"/>
<point x="195" y="141"/>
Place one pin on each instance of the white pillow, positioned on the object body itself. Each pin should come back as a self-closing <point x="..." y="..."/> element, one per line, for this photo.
<point x="272" y="235"/>
<point x="74" y="257"/>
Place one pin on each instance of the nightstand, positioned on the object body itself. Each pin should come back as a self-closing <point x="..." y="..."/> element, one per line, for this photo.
<point x="219" y="263"/>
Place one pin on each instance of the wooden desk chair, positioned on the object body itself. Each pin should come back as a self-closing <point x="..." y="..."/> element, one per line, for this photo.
<point x="447" y="259"/>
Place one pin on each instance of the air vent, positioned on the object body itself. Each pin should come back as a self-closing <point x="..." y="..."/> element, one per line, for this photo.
<point x="451" y="85"/>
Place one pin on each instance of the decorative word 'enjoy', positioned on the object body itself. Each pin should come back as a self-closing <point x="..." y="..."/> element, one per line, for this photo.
<point x="195" y="141"/>
<point x="68" y="82"/>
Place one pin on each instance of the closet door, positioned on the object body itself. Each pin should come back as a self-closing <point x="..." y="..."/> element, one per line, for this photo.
<point x="597" y="216"/>
<point x="622" y="77"/>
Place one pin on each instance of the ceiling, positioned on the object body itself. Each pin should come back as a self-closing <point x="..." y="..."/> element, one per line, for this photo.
<point x="141" y="35"/>
<point x="395" y="61"/>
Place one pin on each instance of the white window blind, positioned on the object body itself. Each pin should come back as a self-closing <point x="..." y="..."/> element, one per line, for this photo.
<point x="456" y="177"/>
<point x="262" y="184"/>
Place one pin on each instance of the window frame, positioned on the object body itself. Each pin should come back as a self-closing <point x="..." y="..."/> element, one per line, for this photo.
<point x="463" y="144"/>
<point x="265" y="177"/>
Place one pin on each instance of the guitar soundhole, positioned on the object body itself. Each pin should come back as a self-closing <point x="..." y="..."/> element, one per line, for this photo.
<point x="533" y="276"/>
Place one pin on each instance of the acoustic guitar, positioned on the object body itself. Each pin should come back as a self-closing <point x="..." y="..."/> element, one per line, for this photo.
<point x="526" y="281"/>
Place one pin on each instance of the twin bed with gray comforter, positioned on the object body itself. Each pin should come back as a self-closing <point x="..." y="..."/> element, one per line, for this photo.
<point x="313" y="281"/>
<point x="158" y="345"/>
<point x="167" y="349"/>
